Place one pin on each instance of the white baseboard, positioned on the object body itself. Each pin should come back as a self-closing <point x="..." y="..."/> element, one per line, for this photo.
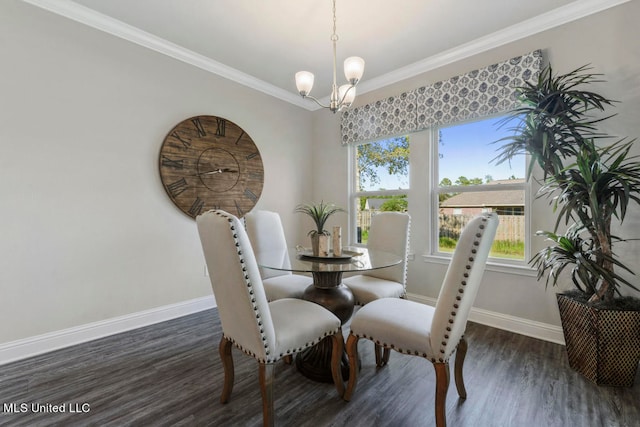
<point x="21" y="349"/>
<point x="518" y="325"/>
<point x="24" y="348"/>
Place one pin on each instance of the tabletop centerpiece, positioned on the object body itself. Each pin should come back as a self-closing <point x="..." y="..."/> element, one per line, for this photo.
<point x="319" y="213"/>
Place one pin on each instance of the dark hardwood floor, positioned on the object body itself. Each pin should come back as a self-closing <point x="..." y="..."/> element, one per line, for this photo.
<point x="169" y="374"/>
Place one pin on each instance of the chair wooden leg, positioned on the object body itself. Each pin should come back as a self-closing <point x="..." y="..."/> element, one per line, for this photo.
<point x="288" y="359"/>
<point x="461" y="352"/>
<point x="385" y="356"/>
<point x="378" y="353"/>
<point x="442" y="386"/>
<point x="352" y="352"/>
<point x="266" y="389"/>
<point x="227" y="363"/>
<point x="336" y="358"/>
<point x="382" y="355"/>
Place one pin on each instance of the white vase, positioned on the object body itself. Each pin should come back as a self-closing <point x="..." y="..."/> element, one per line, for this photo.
<point x="320" y="245"/>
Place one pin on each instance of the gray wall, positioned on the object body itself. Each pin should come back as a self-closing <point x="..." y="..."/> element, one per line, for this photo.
<point x="88" y="232"/>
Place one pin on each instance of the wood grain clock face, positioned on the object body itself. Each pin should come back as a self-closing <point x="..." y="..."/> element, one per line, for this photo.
<point x="207" y="162"/>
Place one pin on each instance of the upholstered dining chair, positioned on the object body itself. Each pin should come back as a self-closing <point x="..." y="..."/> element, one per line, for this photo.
<point x="266" y="331"/>
<point x="267" y="239"/>
<point x="389" y="232"/>
<point x="431" y="332"/>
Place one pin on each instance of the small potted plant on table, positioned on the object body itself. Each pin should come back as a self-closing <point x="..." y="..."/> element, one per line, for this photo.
<point x="319" y="213"/>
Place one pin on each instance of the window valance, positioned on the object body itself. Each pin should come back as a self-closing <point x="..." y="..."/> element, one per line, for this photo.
<point x="478" y="93"/>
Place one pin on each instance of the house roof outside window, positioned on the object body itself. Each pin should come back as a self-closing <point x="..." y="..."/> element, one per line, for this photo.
<point x="498" y="198"/>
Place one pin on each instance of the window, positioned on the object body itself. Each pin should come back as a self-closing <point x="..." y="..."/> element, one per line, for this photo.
<point x="381" y="181"/>
<point x="467" y="182"/>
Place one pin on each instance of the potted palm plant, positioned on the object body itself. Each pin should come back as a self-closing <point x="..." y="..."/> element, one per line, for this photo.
<point x="319" y="213"/>
<point x="589" y="184"/>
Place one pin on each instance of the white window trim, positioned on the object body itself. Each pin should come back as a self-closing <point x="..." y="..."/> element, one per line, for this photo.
<point x="493" y="264"/>
<point x="504" y="265"/>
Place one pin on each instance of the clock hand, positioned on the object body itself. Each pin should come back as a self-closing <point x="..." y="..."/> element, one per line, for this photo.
<point x="207" y="173"/>
<point x="216" y="171"/>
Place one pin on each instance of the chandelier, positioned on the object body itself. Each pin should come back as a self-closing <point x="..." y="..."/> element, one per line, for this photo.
<point x="343" y="96"/>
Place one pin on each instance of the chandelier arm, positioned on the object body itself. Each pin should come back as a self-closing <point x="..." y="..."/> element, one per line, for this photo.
<point x="346" y="92"/>
<point x="316" y="101"/>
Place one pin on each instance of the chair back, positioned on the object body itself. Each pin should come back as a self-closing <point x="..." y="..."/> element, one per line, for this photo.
<point x="269" y="243"/>
<point x="461" y="283"/>
<point x="389" y="232"/>
<point x="237" y="286"/>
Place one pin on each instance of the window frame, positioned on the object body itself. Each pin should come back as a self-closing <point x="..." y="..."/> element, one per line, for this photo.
<point x="434" y="189"/>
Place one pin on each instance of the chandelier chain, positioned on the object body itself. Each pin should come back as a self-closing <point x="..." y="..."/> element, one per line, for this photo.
<point x="334" y="36"/>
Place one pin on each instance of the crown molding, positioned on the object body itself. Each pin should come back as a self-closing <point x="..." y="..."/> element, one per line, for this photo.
<point x="554" y="18"/>
<point x="99" y="21"/>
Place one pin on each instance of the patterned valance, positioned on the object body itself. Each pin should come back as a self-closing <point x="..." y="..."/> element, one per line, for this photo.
<point x="479" y="93"/>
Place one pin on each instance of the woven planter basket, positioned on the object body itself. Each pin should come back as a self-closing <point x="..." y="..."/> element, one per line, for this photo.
<point x="603" y="345"/>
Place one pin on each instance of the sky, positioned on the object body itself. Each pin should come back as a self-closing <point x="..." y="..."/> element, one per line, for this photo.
<point x="466" y="150"/>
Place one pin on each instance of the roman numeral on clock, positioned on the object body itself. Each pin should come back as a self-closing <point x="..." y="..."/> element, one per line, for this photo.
<point x="166" y="161"/>
<point x="238" y="208"/>
<point x="196" y="207"/>
<point x="199" y="127"/>
<point x="221" y="125"/>
<point x="184" y="141"/>
<point x="178" y="187"/>
<point x="250" y="195"/>
<point x="240" y="137"/>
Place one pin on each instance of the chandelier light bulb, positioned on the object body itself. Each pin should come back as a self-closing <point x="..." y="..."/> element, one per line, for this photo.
<point x="353" y="69"/>
<point x="304" y="82"/>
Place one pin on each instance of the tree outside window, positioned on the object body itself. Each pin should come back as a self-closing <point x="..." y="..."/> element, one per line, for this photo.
<point x="382" y="180"/>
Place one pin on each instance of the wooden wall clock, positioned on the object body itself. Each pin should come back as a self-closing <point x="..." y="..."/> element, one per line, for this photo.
<point x="207" y="162"/>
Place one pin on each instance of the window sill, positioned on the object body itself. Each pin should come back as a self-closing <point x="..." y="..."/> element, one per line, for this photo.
<point x="492" y="265"/>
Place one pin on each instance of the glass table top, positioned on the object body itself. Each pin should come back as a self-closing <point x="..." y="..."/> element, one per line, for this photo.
<point x="353" y="258"/>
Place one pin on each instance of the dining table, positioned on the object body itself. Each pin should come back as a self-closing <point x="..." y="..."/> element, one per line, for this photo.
<point x="326" y="288"/>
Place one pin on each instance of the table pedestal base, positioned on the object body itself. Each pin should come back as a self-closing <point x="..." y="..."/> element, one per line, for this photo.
<point x="338" y="299"/>
<point x="328" y="291"/>
<point x="315" y="362"/>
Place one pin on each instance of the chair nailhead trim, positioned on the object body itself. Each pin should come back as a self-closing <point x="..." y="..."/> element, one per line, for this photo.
<point x="391" y="346"/>
<point x="249" y="287"/>
<point x="463" y="282"/>
<point x="451" y="320"/>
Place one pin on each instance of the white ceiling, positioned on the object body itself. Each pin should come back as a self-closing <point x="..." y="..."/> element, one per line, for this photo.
<point x="262" y="43"/>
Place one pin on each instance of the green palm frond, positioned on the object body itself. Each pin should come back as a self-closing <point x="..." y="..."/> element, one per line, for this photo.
<point x="319" y="213"/>
<point x="587" y="183"/>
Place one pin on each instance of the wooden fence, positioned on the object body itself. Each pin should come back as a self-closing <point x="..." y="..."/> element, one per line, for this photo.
<point x="511" y="227"/>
